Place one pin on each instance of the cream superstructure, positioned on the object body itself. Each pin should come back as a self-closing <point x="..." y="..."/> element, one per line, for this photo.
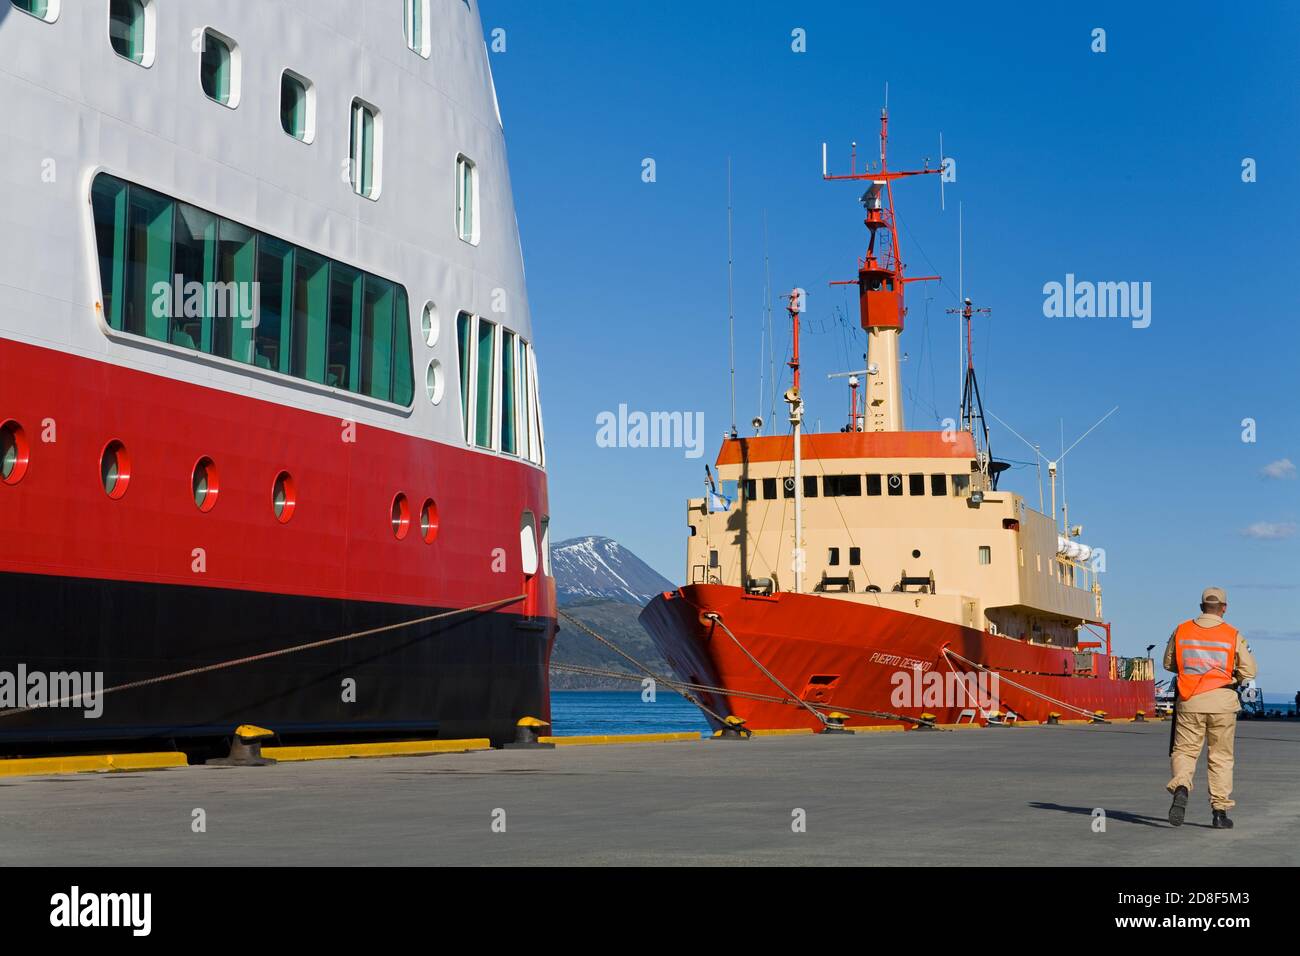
<point x="922" y="533"/>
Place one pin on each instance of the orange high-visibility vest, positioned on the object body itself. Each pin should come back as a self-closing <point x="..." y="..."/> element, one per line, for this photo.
<point x="1205" y="656"/>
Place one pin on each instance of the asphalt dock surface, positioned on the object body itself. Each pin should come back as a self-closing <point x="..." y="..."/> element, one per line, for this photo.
<point x="1028" y="795"/>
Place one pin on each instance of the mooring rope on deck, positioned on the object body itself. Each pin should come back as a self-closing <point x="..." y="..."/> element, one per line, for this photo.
<point x="235" y="662"/>
<point x="1092" y="715"/>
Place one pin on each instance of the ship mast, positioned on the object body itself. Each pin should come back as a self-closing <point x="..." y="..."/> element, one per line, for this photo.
<point x="972" y="405"/>
<point x="880" y="284"/>
<point x="795" y="400"/>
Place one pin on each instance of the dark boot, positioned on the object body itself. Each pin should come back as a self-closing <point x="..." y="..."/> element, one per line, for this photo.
<point x="1178" y="809"/>
<point x="1221" y="821"/>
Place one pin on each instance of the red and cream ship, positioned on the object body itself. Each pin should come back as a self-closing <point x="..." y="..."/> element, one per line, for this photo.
<point x="266" y="372"/>
<point x="858" y="570"/>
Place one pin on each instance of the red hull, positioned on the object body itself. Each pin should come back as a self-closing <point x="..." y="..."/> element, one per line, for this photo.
<point x="847" y="655"/>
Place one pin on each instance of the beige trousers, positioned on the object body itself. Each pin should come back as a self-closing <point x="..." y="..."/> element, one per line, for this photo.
<point x="1190" y="732"/>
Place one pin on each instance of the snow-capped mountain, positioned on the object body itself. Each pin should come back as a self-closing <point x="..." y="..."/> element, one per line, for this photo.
<point x="596" y="568"/>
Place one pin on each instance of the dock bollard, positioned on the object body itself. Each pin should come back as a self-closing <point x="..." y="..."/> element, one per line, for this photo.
<point x="735" y="730"/>
<point x="527" y="730"/>
<point x="835" y="723"/>
<point x="1053" y="718"/>
<point x="930" y="726"/>
<point x="996" y="720"/>
<point x="246" y="748"/>
<point x="1140" y="717"/>
<point x="1098" y="716"/>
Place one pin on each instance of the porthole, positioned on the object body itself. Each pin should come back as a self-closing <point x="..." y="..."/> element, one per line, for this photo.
<point x="433" y="381"/>
<point x="429" y="521"/>
<point x="916" y="554"/>
<point x="401" y="517"/>
<point x="284" y="497"/>
<point x="206" y="485"/>
<point x="14" y="453"/>
<point x="429" y="324"/>
<point x="115" y="469"/>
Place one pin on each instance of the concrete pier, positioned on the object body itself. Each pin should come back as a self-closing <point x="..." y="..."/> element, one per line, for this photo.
<point x="1024" y="795"/>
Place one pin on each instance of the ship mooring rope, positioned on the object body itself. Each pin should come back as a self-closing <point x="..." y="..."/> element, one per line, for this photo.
<point x="717" y="619"/>
<point x="235" y="662"/>
<point x="745" y="694"/>
<point x="1028" y="690"/>
<point x="637" y="664"/>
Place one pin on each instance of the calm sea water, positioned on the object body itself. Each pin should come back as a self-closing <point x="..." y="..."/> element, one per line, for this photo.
<point x="622" y="712"/>
<point x="576" y="712"/>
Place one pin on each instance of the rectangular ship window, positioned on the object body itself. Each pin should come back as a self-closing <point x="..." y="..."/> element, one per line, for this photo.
<point x="855" y="556"/>
<point x="108" y="202"/>
<point x="403" y="372"/>
<point x="343" y="350"/>
<point x="310" y="314"/>
<point x="509" y="350"/>
<point x="363" y="150"/>
<point x="485" y="383"/>
<point x="751" y="489"/>
<point x="960" y="485"/>
<point x="986" y="554"/>
<point x="246" y="296"/>
<point x="467" y="218"/>
<point x="275" y="302"/>
<point x="895" y="485"/>
<point x="416" y="26"/>
<point x="464" y="340"/>
<point x="873" y="486"/>
<point x="841" y="486"/>
<point x="234" y="308"/>
<point x="939" y="485"/>
<point x="832" y="556"/>
<point x="148" y="263"/>
<point x="769" y="488"/>
<point x="916" y="485"/>
<point x="376" y="377"/>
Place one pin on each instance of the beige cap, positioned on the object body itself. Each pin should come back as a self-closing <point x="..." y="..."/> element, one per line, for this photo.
<point x="1214" y="596"/>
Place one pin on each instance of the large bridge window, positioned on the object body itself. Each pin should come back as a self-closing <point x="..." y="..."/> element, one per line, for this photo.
<point x="178" y="274"/>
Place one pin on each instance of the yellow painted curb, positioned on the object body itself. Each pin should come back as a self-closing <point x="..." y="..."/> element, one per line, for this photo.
<point x="598" y="739"/>
<point x="93" y="763"/>
<point x="961" y="726"/>
<point x="397" y="748"/>
<point x="791" y="732"/>
<point x="874" y="729"/>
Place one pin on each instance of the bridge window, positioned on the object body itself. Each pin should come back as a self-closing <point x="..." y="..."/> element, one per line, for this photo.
<point x="916" y="485"/>
<point x="769" y="488"/>
<point x="939" y="485"/>
<point x="509" y="394"/>
<point x="873" y="486"/>
<point x="960" y="485"/>
<point x="840" y="486"/>
<point x="895" y="485"/>
<point x="246" y="296"/>
<point x="486" y="374"/>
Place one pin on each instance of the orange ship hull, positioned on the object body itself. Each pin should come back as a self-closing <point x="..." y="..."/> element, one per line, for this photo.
<point x="848" y="655"/>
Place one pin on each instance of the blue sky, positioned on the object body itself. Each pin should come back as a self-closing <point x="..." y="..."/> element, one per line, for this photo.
<point x="1117" y="166"/>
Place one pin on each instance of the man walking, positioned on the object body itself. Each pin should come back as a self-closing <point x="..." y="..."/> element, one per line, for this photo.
<point x="1210" y="658"/>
